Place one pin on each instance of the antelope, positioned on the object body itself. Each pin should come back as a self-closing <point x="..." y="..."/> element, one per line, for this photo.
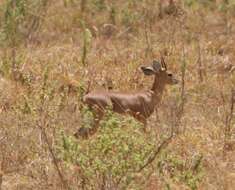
<point x="140" y="105"/>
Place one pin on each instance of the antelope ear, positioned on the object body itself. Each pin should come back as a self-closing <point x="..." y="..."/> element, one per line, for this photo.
<point x="157" y="65"/>
<point x="148" y="70"/>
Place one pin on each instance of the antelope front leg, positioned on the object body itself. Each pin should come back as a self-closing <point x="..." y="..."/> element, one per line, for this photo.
<point x="86" y="132"/>
<point x="145" y="125"/>
<point x="143" y="120"/>
<point x="157" y="115"/>
<point x="96" y="123"/>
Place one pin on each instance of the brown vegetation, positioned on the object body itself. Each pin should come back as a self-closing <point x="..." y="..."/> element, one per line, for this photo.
<point x="60" y="47"/>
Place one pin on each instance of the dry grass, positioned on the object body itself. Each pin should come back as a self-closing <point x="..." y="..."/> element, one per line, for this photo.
<point x="200" y="37"/>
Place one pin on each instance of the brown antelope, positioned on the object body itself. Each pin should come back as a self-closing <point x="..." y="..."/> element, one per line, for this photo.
<point x="140" y="105"/>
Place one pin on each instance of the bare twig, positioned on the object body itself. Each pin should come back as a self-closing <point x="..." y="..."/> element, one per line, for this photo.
<point x="2" y="139"/>
<point x="122" y="33"/>
<point x="160" y="14"/>
<point x="42" y="126"/>
<point x="182" y="95"/>
<point x="1" y="176"/>
<point x="180" y="109"/>
<point x="1" y="180"/>
<point x="199" y="62"/>
<point x="156" y="152"/>
<point x="149" y="48"/>
<point x="228" y="119"/>
<point x="83" y="5"/>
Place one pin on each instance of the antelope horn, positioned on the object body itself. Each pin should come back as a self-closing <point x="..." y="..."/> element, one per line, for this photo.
<point x="163" y="63"/>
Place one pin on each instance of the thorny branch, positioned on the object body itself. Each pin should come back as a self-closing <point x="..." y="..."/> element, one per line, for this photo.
<point x="156" y="152"/>
<point x="41" y="125"/>
<point x="230" y="114"/>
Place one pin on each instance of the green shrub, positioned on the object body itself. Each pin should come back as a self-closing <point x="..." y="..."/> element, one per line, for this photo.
<point x="112" y="156"/>
<point x="189" y="172"/>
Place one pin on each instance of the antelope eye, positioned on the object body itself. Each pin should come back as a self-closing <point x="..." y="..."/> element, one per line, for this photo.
<point x="169" y="74"/>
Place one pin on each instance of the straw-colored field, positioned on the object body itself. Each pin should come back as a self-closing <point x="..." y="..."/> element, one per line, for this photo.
<point x="51" y="51"/>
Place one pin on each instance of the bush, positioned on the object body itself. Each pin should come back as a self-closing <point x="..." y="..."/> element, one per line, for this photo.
<point x="111" y="157"/>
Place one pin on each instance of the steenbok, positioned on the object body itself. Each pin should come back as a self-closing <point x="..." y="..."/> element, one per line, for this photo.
<point x="140" y="105"/>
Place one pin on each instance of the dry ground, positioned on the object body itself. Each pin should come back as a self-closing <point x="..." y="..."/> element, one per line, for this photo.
<point x="201" y="37"/>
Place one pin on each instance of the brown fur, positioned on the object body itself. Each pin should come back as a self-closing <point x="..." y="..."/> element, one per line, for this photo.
<point x="140" y="105"/>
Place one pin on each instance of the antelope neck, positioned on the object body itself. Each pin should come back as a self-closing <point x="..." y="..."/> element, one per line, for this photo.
<point x="157" y="89"/>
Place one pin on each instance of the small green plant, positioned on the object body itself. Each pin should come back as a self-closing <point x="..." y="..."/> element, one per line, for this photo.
<point x="17" y="23"/>
<point x="113" y="13"/>
<point x="111" y="157"/>
<point x="129" y="18"/>
<point x="227" y="6"/>
<point x="181" y="170"/>
<point x="14" y="14"/>
<point x="200" y="4"/>
<point x="100" y="5"/>
<point x="87" y="39"/>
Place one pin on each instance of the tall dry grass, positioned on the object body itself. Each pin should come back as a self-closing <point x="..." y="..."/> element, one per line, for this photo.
<point x="81" y="43"/>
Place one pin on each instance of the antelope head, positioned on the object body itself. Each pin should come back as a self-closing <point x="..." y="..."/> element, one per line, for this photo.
<point x="162" y="76"/>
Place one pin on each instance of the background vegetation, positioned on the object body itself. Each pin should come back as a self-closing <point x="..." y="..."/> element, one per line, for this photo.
<point x="52" y="51"/>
